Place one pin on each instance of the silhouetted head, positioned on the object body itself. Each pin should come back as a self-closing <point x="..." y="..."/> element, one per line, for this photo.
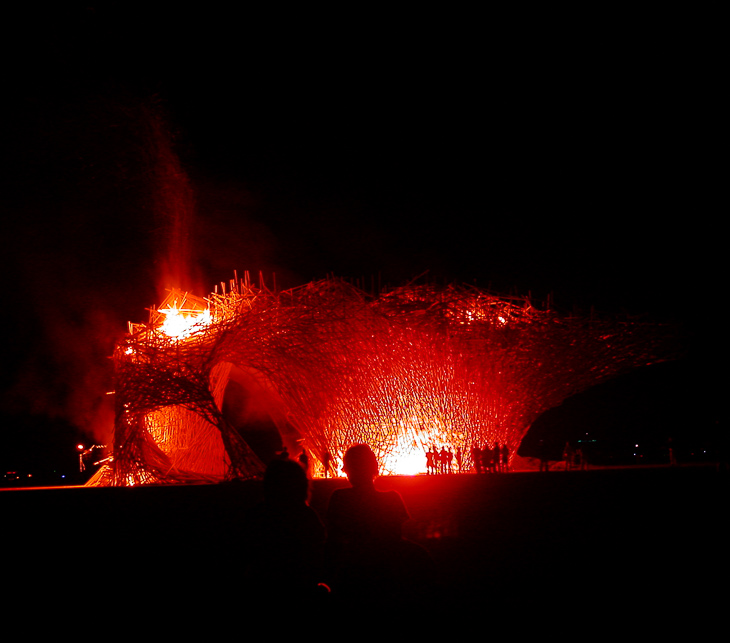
<point x="285" y="482"/>
<point x="360" y="465"/>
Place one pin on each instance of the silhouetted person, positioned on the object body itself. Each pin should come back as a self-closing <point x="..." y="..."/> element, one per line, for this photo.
<point x="504" y="456"/>
<point x="430" y="465"/>
<point x="304" y="461"/>
<point x="327" y="463"/>
<point x="567" y="455"/>
<point x="476" y="458"/>
<point x="285" y="537"/>
<point x="497" y="457"/>
<point x="367" y="554"/>
<point x="672" y="455"/>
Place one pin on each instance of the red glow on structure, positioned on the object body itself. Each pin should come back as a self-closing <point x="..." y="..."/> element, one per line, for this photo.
<point x="413" y="369"/>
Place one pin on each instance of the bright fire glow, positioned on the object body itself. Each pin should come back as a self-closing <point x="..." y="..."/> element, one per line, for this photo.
<point x="415" y="436"/>
<point x="181" y="323"/>
<point x="406" y="459"/>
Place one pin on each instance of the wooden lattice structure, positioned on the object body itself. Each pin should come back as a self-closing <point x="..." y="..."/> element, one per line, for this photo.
<point x="403" y="370"/>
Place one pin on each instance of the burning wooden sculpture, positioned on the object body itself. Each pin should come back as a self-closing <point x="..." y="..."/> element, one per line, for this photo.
<point x="415" y="367"/>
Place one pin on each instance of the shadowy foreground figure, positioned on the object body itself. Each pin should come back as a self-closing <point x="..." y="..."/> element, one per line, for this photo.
<point x="367" y="556"/>
<point x="285" y="537"/>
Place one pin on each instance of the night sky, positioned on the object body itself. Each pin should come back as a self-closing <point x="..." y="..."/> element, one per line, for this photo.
<point x="498" y="151"/>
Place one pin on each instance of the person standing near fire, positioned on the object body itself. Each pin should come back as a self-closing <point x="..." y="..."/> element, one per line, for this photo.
<point x="366" y="554"/>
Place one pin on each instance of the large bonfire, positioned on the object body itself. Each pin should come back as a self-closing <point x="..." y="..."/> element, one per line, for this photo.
<point x="406" y="370"/>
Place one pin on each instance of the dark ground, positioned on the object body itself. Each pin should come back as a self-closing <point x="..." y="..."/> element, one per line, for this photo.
<point x="607" y="545"/>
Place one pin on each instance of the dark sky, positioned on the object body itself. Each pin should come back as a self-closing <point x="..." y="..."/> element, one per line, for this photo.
<point x="499" y="150"/>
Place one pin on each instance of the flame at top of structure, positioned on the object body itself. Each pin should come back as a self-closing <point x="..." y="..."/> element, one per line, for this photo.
<point x="183" y="315"/>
